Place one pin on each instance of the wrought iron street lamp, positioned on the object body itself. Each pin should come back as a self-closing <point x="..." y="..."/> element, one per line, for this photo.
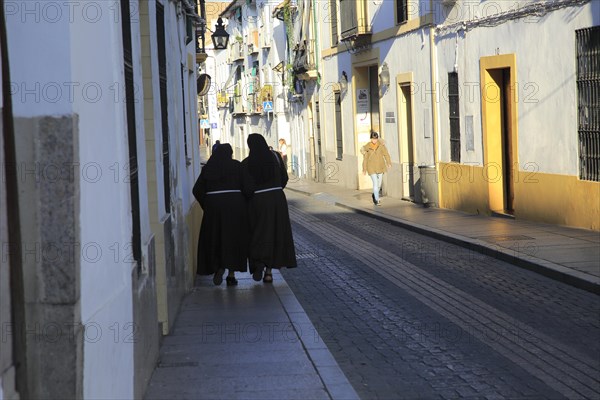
<point x="384" y="75"/>
<point x="343" y="82"/>
<point x="220" y="37"/>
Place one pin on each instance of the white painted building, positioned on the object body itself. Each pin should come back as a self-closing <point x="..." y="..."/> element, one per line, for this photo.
<point x="103" y="101"/>
<point x="218" y="71"/>
<point x="394" y="67"/>
<point x="526" y="110"/>
<point x="248" y="76"/>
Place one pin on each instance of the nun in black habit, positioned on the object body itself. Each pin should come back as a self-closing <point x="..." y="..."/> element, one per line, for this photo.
<point x="271" y="241"/>
<point x="223" y="242"/>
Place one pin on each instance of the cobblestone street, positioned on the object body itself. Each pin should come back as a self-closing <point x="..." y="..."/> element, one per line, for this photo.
<point x="410" y="316"/>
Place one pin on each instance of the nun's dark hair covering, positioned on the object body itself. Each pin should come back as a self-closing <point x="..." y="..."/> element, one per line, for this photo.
<point x="261" y="160"/>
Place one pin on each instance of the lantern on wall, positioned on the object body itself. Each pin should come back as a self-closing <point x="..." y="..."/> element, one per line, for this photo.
<point x="220" y="37"/>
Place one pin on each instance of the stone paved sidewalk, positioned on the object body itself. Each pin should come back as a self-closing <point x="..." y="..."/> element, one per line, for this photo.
<point x="253" y="341"/>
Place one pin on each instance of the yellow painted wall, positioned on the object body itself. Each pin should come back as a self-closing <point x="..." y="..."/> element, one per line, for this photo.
<point x="463" y="188"/>
<point x="549" y="198"/>
<point x="558" y="199"/>
<point x="491" y="118"/>
<point x="161" y="277"/>
<point x="193" y="222"/>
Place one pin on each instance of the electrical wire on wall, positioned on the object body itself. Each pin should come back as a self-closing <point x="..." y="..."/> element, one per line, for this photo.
<point x="537" y="9"/>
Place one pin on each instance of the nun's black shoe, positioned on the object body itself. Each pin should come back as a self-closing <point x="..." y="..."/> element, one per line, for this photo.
<point x="258" y="274"/>
<point x="231" y="281"/>
<point x="218" y="278"/>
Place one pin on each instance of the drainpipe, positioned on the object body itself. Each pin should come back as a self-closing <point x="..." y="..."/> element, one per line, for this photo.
<point x="317" y="48"/>
<point x="434" y="109"/>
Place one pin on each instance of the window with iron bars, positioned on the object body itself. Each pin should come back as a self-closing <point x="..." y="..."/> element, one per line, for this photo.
<point x="401" y="11"/>
<point x="588" y="102"/>
<point x="454" y="116"/>
<point x="339" y="136"/>
<point x="164" y="103"/>
<point x="136" y="242"/>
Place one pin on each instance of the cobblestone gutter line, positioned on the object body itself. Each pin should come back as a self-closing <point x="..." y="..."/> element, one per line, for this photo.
<point x="573" y="375"/>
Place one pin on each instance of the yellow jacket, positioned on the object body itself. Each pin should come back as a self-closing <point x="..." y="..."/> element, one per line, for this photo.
<point x="375" y="160"/>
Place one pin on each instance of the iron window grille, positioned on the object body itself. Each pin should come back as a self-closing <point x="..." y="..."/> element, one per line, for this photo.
<point x="401" y="11"/>
<point x="338" y="125"/>
<point x="131" y="133"/>
<point x="164" y="105"/>
<point x="183" y="110"/>
<point x="453" y="103"/>
<point x="588" y="102"/>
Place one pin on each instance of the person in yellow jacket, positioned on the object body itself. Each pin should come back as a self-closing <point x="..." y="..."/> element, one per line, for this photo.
<point x="376" y="161"/>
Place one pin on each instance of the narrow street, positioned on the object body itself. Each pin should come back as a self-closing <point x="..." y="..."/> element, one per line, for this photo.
<point x="476" y="276"/>
<point x="407" y="315"/>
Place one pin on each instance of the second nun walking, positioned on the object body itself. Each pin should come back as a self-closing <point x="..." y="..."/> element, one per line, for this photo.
<point x="271" y="241"/>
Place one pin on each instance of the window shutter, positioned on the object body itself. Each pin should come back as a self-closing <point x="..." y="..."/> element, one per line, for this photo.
<point x="334" y="22"/>
<point x="349" y="21"/>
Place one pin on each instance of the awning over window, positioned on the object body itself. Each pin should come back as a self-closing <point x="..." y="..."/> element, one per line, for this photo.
<point x="231" y="75"/>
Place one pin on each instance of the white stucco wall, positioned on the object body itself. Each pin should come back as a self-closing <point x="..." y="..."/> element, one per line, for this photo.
<point x="546" y="85"/>
<point x="34" y="28"/>
<point x="221" y="75"/>
<point x="191" y="123"/>
<point x="465" y="10"/>
<point x="69" y="61"/>
<point x="545" y="68"/>
<point x="175" y="49"/>
<point x="106" y="266"/>
<point x="67" y="70"/>
<point x="409" y="54"/>
<point x="329" y="76"/>
<point x="470" y="102"/>
<point x="403" y="55"/>
<point x="177" y="57"/>
<point x="277" y="124"/>
<point x="211" y="68"/>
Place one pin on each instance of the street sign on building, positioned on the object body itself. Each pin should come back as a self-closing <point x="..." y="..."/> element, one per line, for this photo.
<point x="267" y="106"/>
<point x="204" y="124"/>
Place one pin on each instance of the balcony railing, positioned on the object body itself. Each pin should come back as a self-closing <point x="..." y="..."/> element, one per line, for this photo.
<point x="236" y="51"/>
<point x="305" y="60"/>
<point x="254" y="105"/>
<point x="238" y="99"/>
